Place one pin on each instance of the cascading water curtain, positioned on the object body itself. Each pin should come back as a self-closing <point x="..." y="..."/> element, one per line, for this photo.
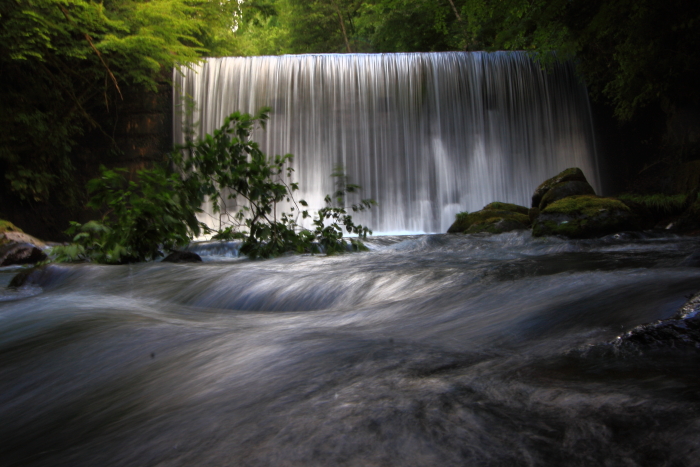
<point x="425" y="134"/>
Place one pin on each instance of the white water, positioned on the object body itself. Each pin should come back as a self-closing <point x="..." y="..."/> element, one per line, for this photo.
<point x="439" y="350"/>
<point x="426" y="135"/>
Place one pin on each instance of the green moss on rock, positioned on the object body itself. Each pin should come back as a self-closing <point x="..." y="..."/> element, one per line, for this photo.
<point x="7" y="226"/>
<point x="481" y="220"/>
<point x="498" y="206"/>
<point x="496" y="225"/>
<point x="564" y="190"/>
<point x="583" y="217"/>
<point x="587" y="205"/>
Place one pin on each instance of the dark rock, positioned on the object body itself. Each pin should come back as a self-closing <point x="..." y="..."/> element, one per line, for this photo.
<point x="533" y="213"/>
<point x="564" y="190"/>
<point x="9" y="236"/>
<point x="182" y="257"/>
<point x="689" y="221"/>
<point x="583" y="217"/>
<point x="20" y="253"/>
<point x="499" y="226"/>
<point x="573" y="174"/>
<point x="486" y="220"/>
<point x="46" y="276"/>
<point x="498" y="206"/>
<point x="680" y="332"/>
<point x="21" y="278"/>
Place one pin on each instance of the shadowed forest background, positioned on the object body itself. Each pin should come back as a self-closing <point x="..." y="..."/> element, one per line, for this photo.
<point x="70" y="70"/>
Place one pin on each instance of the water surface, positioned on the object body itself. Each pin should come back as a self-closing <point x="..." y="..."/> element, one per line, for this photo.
<point x="427" y="350"/>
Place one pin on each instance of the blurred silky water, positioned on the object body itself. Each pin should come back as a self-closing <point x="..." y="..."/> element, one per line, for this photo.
<point x="427" y="350"/>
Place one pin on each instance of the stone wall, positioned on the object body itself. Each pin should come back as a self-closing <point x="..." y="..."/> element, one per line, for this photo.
<point x="133" y="133"/>
<point x="143" y="130"/>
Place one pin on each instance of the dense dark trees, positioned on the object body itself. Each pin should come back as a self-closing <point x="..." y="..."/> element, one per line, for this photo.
<point x="63" y="62"/>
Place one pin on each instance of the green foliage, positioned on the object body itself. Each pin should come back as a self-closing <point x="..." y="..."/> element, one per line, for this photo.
<point x="229" y="168"/>
<point x="259" y="29"/>
<point x="64" y="62"/>
<point x="331" y="219"/>
<point x="632" y="53"/>
<point x="227" y="165"/>
<point x="157" y="211"/>
<point x="412" y="25"/>
<point x="656" y="202"/>
<point x="141" y="218"/>
<point x="338" y="26"/>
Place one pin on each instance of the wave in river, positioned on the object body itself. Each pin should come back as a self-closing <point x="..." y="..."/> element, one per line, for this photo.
<point x="427" y="350"/>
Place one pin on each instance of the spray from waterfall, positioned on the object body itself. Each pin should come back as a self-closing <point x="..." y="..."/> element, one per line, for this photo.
<point x="425" y="134"/>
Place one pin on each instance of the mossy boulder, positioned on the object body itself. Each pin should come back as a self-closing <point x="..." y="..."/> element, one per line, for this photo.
<point x="7" y="226"/>
<point x="564" y="190"/>
<point x="498" y="206"/>
<point x="496" y="226"/>
<point x="583" y="216"/>
<point x="496" y="217"/>
<point x="17" y="247"/>
<point x="573" y="174"/>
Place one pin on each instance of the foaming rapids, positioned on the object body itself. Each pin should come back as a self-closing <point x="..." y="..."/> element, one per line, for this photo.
<point x="426" y="135"/>
<point x="426" y="350"/>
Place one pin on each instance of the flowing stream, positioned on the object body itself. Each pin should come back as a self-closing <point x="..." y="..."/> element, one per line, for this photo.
<point x="428" y="350"/>
<point x="426" y="135"/>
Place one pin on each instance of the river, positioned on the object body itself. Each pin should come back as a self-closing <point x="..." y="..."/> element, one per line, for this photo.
<point x="427" y="350"/>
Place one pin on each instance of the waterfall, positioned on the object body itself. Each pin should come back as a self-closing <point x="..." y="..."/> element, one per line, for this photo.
<point x="425" y="134"/>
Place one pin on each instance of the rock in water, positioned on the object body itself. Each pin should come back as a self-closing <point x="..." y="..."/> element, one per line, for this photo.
<point x="496" y="217"/>
<point x="680" y="332"/>
<point x="20" y="253"/>
<point x="182" y="257"/>
<point x="573" y="174"/>
<point x="498" y="206"/>
<point x="583" y="217"/>
<point x="17" y="247"/>
<point x="564" y="190"/>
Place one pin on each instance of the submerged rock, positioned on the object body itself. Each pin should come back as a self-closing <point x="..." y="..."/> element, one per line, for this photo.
<point x="583" y="217"/>
<point x="496" y="217"/>
<point x="182" y="257"/>
<point x="681" y="332"/>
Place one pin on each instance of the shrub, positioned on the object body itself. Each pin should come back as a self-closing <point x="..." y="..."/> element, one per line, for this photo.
<point x="157" y="211"/>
